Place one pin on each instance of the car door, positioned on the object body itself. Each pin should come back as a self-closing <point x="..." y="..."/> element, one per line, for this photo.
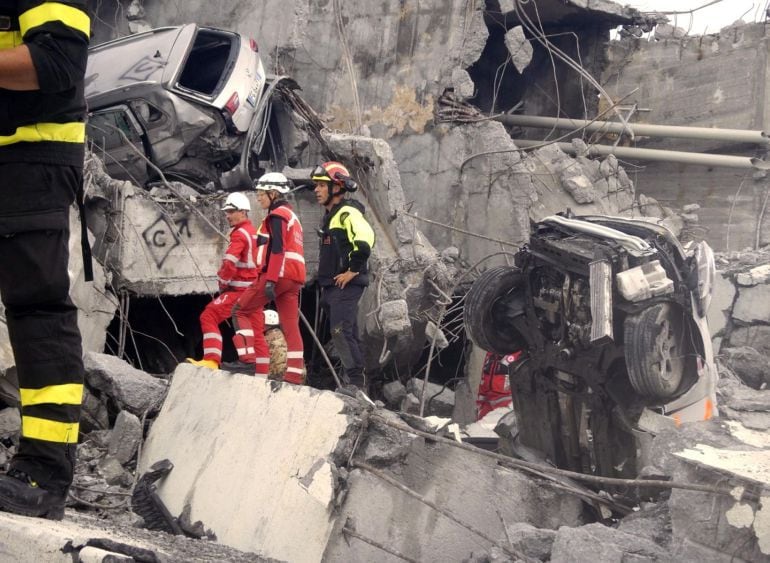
<point x="118" y="138"/>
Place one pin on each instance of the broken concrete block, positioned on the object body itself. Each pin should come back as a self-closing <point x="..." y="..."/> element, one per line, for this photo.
<point x="131" y="389"/>
<point x="462" y="83"/>
<point x="429" y="424"/>
<point x="394" y="392"/>
<point x="93" y="414"/>
<point x="667" y="31"/>
<point x="10" y="422"/>
<point x="690" y="218"/>
<point x="410" y="404"/>
<point x="394" y="318"/>
<point x="760" y="274"/>
<point x="439" y="400"/>
<point x="652" y="520"/>
<point x="749" y="365"/>
<point x="691" y="208"/>
<point x="757" y="336"/>
<point x="753" y="304"/>
<point x="450" y="255"/>
<point x="596" y="542"/>
<point x="255" y="466"/>
<point x="534" y="542"/>
<point x="384" y="444"/>
<point x="580" y="187"/>
<point x="519" y="47"/>
<point x="112" y="471"/>
<point x="432" y="332"/>
<point x="125" y="437"/>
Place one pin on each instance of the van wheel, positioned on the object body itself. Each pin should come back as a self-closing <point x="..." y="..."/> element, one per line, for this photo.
<point x="491" y="306"/>
<point x="656" y="351"/>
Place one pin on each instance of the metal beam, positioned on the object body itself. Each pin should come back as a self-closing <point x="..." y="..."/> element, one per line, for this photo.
<point x="703" y="133"/>
<point x="702" y="159"/>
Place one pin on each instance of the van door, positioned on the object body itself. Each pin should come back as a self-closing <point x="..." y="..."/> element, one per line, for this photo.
<point x="117" y="137"/>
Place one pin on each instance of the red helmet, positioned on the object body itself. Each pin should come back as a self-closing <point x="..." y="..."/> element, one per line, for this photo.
<point x="331" y="171"/>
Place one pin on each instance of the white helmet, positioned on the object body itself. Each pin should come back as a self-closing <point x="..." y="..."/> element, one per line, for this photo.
<point x="236" y="201"/>
<point x="274" y="181"/>
<point x="271" y="317"/>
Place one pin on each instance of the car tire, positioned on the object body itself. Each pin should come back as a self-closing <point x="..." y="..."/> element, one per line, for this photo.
<point x="490" y="306"/>
<point x="656" y="351"/>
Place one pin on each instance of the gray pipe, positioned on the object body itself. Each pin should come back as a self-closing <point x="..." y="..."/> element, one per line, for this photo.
<point x="704" y="133"/>
<point x="702" y="159"/>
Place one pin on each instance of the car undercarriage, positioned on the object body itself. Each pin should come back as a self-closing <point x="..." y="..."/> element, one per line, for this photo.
<point x="610" y="315"/>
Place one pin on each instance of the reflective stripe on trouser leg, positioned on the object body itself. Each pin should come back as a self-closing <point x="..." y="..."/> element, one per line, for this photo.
<point x="261" y="367"/>
<point x="287" y="303"/>
<point x="215" y="313"/>
<point x="249" y="322"/>
<point x="41" y="319"/>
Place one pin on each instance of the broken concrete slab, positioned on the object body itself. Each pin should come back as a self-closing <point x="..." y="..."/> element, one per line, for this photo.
<point x="130" y="389"/>
<point x="753" y="304"/>
<point x="531" y="541"/>
<point x="394" y="392"/>
<point x="755" y="336"/>
<point x="389" y="516"/>
<point x="32" y="540"/>
<point x="596" y="542"/>
<point x="760" y="274"/>
<point x="125" y="437"/>
<point x="749" y="365"/>
<point x="257" y="467"/>
<point x="725" y="455"/>
<point x="440" y="397"/>
<point x="519" y="47"/>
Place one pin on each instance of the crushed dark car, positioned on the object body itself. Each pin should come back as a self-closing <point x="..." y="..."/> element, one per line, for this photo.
<point x="190" y="103"/>
<point x="610" y="314"/>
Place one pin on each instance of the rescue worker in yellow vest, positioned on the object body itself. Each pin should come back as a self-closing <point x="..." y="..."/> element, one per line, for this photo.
<point x="281" y="265"/>
<point x="43" y="53"/>
<point x="346" y="242"/>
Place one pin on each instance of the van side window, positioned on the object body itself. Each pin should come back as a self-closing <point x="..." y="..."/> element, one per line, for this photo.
<point x="104" y="129"/>
<point x="150" y="115"/>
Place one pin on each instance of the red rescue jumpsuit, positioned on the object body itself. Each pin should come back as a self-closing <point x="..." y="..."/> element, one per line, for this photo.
<point x="238" y="271"/>
<point x="280" y="259"/>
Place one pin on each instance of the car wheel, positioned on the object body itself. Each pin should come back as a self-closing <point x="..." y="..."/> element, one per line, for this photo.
<point x="656" y="351"/>
<point x="491" y="305"/>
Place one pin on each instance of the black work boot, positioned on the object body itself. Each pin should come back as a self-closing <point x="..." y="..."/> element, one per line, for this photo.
<point x="20" y="494"/>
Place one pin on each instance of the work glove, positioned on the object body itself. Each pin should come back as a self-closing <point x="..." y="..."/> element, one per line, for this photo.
<point x="270" y="291"/>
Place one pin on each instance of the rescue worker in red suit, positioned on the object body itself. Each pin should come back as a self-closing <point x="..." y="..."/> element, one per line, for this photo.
<point x="238" y="271"/>
<point x="43" y="53"/>
<point x="281" y="264"/>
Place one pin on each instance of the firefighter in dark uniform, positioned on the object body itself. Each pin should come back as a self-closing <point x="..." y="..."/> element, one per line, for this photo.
<point x="346" y="242"/>
<point x="43" y="53"/>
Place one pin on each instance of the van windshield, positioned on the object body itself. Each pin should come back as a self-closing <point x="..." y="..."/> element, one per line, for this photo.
<point x="209" y="62"/>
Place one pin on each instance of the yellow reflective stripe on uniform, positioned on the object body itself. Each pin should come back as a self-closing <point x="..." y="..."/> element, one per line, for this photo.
<point x="10" y="39"/>
<point x="53" y="11"/>
<point x="60" y="132"/>
<point x="49" y="430"/>
<point x="67" y="394"/>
